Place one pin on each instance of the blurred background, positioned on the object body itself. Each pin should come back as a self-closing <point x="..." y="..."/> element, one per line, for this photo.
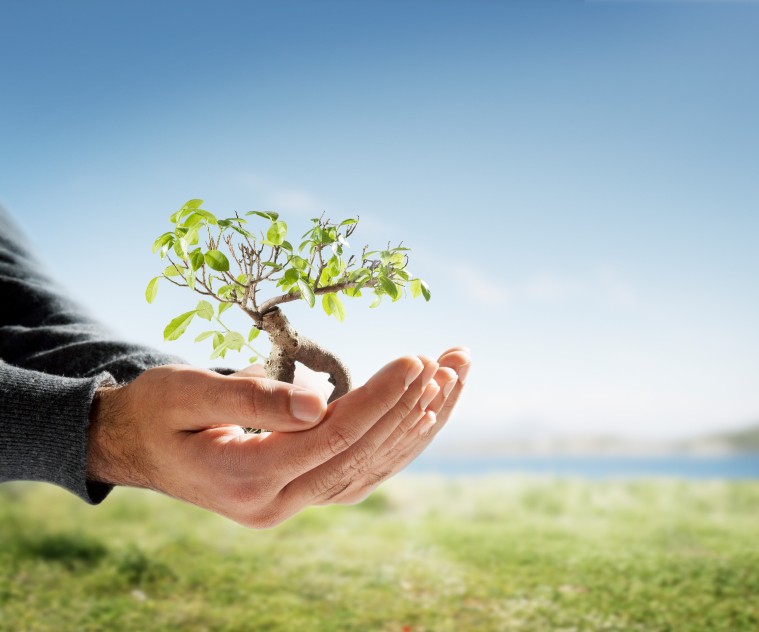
<point x="578" y="182"/>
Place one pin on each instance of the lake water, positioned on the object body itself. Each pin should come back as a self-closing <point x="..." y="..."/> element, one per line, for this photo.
<point x="734" y="467"/>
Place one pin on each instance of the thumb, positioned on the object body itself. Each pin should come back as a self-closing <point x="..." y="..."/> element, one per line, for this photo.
<point x="255" y="402"/>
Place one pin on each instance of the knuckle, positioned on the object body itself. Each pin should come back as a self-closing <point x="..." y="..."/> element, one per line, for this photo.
<point x="360" y="460"/>
<point x="337" y="490"/>
<point x="338" y="441"/>
<point x="248" y="395"/>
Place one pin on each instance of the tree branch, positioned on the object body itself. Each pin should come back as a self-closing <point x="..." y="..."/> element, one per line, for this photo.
<point x="294" y="296"/>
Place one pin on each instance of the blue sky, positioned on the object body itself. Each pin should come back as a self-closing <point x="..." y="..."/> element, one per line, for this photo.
<point x="579" y="181"/>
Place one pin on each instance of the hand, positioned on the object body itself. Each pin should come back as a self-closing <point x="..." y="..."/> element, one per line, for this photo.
<point x="410" y="438"/>
<point x="178" y="430"/>
<point x="438" y="401"/>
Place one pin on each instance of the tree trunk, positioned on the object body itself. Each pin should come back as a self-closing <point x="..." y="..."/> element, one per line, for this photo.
<point x="289" y="347"/>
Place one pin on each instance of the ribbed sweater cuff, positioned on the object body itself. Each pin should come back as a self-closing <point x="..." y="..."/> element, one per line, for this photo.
<point x="43" y="429"/>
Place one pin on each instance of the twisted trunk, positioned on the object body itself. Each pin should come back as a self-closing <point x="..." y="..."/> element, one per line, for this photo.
<point x="289" y="347"/>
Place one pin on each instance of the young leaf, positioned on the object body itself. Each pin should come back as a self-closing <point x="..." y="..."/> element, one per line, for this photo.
<point x="389" y="287"/>
<point x="233" y="340"/>
<point x="173" y="270"/>
<point x="189" y="276"/>
<point x="253" y="359"/>
<point x="223" y="307"/>
<point x="162" y="241"/>
<point x="178" y="326"/>
<point x="217" y="260"/>
<point x="376" y="302"/>
<point x="271" y="215"/>
<point x="180" y="247"/>
<point x="197" y="259"/>
<point x="415" y="287"/>
<point x="254" y="331"/>
<point x="333" y="306"/>
<point x="152" y="289"/>
<point x="204" y="310"/>
<point x="204" y="335"/>
<point x="426" y="291"/>
<point x="276" y="233"/>
<point x="306" y="292"/>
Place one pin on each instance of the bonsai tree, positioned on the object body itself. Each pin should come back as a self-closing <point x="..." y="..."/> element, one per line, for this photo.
<point x="256" y="269"/>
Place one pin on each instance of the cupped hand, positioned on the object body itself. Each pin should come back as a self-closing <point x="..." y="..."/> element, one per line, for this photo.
<point x="178" y="430"/>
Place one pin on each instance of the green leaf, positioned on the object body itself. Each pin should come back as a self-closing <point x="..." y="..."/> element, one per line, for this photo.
<point x="152" y="289"/>
<point x="225" y="290"/>
<point x="180" y="247"/>
<point x="286" y="245"/>
<point x="388" y="287"/>
<point x="306" y="292"/>
<point x="347" y="222"/>
<point x="189" y="276"/>
<point x="209" y="217"/>
<point x="197" y="259"/>
<point x="276" y="233"/>
<point x="223" y="307"/>
<point x="204" y="310"/>
<point x="162" y="241"/>
<point x="353" y="292"/>
<point x="188" y="208"/>
<point x="233" y="340"/>
<point x="218" y="339"/>
<point x="333" y="306"/>
<point x="204" y="335"/>
<point x="426" y="290"/>
<point x="271" y="215"/>
<point x="415" y="287"/>
<point x="173" y="270"/>
<point x="253" y="334"/>
<point x="253" y="359"/>
<point x="178" y="326"/>
<point x="299" y="263"/>
<point x="193" y="219"/>
<point x="216" y="260"/>
<point x="376" y="302"/>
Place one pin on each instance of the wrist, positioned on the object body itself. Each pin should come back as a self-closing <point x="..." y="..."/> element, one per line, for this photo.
<point x="110" y="438"/>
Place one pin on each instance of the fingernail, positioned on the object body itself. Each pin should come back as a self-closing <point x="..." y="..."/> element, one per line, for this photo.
<point x="427" y="424"/>
<point x="464" y="373"/>
<point x="306" y="406"/>
<point x="448" y="388"/>
<point x="428" y="395"/>
<point x="413" y="373"/>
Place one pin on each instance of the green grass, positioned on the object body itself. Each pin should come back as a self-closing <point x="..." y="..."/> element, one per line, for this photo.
<point x="424" y="554"/>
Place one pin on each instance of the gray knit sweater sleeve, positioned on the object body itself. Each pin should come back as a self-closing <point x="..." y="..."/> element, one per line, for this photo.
<point x="52" y="359"/>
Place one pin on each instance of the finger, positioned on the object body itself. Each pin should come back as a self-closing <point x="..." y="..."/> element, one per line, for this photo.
<point x="460" y="362"/>
<point x="205" y="399"/>
<point x="390" y="466"/>
<point x="333" y="475"/>
<point x="416" y="440"/>
<point x="428" y="395"/>
<point x="346" y="421"/>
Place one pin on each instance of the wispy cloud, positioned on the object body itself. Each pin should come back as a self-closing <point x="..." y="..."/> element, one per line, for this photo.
<point x="282" y="197"/>
<point x="604" y="285"/>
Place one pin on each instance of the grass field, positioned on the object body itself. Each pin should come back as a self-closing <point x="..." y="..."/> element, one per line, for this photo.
<point x="423" y="554"/>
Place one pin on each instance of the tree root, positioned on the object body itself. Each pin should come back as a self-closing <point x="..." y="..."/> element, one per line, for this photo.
<point x="289" y="347"/>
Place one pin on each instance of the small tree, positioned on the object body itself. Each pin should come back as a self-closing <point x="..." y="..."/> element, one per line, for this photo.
<point x="270" y="271"/>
